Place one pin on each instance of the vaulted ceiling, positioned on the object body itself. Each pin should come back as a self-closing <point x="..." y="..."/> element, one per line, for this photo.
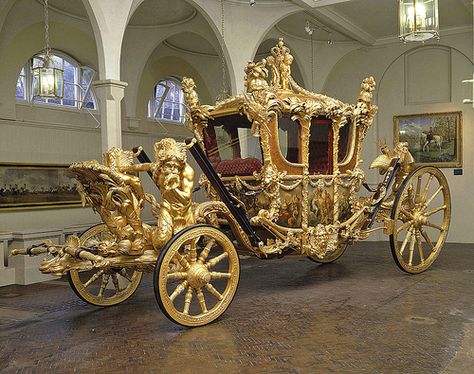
<point x="370" y="21"/>
<point x="366" y="21"/>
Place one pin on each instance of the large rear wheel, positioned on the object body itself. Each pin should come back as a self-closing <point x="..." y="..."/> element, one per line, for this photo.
<point x="103" y="287"/>
<point x="196" y="276"/>
<point x="421" y="214"/>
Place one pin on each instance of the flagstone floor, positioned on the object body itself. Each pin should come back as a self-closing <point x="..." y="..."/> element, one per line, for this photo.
<point x="358" y="315"/>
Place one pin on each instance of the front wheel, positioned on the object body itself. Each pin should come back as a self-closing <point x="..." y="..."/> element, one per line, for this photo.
<point x="196" y="276"/>
<point x="421" y="214"/>
<point x="103" y="287"/>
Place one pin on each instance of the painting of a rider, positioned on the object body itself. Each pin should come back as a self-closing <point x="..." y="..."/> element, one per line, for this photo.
<point x="430" y="135"/>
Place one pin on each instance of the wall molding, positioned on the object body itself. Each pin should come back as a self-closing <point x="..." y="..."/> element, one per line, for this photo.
<point x="165" y="25"/>
<point x="183" y="50"/>
<point x="406" y="69"/>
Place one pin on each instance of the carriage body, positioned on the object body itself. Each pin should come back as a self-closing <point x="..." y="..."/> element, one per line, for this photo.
<point x="280" y="166"/>
<point x="290" y="156"/>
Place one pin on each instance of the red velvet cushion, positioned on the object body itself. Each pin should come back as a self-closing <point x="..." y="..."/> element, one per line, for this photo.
<point x="238" y="166"/>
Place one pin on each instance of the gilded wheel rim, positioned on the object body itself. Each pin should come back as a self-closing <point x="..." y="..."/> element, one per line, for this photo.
<point x="103" y="287"/>
<point x="421" y="215"/>
<point x="197" y="276"/>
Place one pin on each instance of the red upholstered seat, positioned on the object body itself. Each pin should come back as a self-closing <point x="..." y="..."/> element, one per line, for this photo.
<point x="238" y="166"/>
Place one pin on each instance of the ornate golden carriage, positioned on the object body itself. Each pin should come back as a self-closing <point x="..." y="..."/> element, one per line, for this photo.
<point x="281" y="171"/>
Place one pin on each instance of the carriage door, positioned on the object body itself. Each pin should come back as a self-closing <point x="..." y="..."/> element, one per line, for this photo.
<point x="320" y="165"/>
<point x="320" y="146"/>
<point x="289" y="160"/>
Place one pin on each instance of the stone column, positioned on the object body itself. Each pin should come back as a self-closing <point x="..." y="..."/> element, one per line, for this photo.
<point x="7" y="274"/>
<point x="110" y="93"/>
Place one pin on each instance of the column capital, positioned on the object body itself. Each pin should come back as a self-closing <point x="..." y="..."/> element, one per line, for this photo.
<point x="109" y="83"/>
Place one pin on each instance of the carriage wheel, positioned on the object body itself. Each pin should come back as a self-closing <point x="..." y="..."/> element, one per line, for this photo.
<point x="103" y="287"/>
<point x="331" y="257"/>
<point x="421" y="214"/>
<point x="196" y="276"/>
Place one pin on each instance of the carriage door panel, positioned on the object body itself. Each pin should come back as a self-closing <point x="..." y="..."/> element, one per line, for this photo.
<point x="287" y="156"/>
<point x="320" y="162"/>
<point x="320" y="146"/>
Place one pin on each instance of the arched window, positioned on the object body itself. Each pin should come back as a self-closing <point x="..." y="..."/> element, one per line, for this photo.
<point x="167" y="102"/>
<point x="77" y="82"/>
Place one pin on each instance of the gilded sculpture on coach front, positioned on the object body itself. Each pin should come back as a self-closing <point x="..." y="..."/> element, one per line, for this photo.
<point x="281" y="169"/>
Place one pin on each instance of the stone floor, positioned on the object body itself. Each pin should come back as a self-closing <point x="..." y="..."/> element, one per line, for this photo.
<point x="360" y="314"/>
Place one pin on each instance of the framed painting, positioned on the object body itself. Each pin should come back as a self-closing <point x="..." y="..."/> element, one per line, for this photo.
<point x="433" y="138"/>
<point x="31" y="186"/>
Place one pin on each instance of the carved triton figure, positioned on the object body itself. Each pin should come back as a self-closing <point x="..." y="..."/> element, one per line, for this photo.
<point x="281" y="169"/>
<point x="175" y="178"/>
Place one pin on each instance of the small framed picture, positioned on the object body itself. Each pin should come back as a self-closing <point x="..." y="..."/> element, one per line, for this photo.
<point x="433" y="138"/>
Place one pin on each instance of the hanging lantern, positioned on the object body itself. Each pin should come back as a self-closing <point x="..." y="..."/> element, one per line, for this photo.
<point x="48" y="79"/>
<point x="418" y="20"/>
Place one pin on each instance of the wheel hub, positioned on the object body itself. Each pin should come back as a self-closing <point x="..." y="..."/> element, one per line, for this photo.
<point x="419" y="220"/>
<point x="198" y="276"/>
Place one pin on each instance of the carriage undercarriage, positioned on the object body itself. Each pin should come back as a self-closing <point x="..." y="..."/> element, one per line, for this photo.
<point x="297" y="195"/>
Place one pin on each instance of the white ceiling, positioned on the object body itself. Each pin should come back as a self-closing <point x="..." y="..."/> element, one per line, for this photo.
<point x="71" y="7"/>
<point x="161" y="12"/>
<point x="190" y="42"/>
<point x="295" y="25"/>
<point x="379" y="17"/>
<point x="149" y="13"/>
<point x="364" y="20"/>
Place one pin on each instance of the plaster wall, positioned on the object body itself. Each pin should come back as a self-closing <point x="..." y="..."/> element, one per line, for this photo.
<point x="46" y="135"/>
<point x="34" y="134"/>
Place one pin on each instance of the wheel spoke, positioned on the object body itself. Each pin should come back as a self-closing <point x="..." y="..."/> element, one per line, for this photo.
<point x="418" y="188"/>
<point x="433" y="196"/>
<point x="406" y="213"/>
<point x="213" y="262"/>
<point x="105" y="281"/>
<point x="181" y="287"/>
<point x="434" y="225"/>
<point x="214" y="292"/>
<point x="427" y="238"/>
<point x="412" y="249"/>
<point x="435" y="210"/>
<point x="193" y="251"/>
<point x="187" y="300"/>
<point x="420" y="248"/>
<point x="206" y="250"/>
<point x="180" y="275"/>
<point x="116" y="282"/>
<point x="425" y="191"/>
<point x="405" y="242"/>
<point x="124" y="274"/>
<point x="202" y="301"/>
<point x="404" y="226"/>
<point x="93" y="278"/>
<point x="218" y="275"/>
<point x="182" y="261"/>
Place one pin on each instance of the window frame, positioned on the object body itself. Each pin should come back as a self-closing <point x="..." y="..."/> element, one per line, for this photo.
<point x="79" y="94"/>
<point x="154" y="109"/>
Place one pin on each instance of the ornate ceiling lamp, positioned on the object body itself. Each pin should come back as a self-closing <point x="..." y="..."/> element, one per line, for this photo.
<point x="418" y="20"/>
<point x="48" y="80"/>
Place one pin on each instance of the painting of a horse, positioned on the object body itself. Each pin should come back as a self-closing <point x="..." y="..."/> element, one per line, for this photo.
<point x="433" y="138"/>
